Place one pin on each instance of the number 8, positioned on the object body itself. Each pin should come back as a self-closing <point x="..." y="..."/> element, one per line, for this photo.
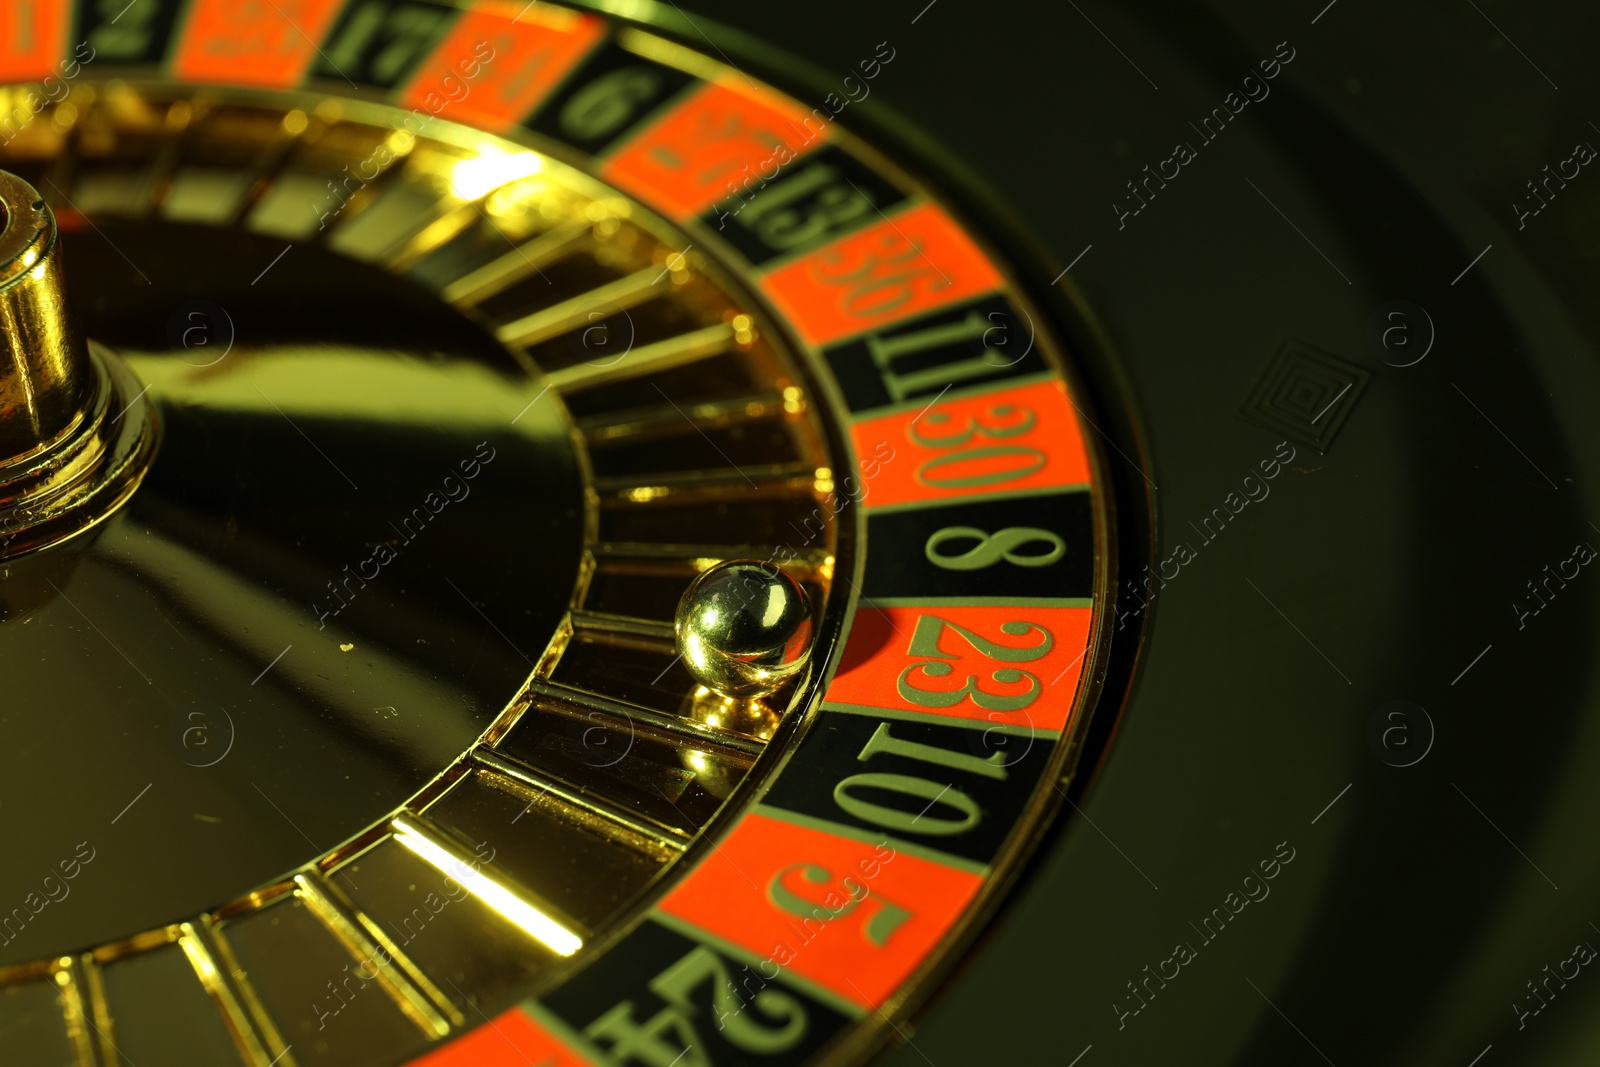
<point x="993" y="548"/>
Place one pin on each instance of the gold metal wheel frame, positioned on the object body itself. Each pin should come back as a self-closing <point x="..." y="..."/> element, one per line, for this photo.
<point x="758" y="428"/>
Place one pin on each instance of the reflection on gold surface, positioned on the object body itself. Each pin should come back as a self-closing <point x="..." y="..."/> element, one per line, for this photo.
<point x="477" y="175"/>
<point x="217" y="988"/>
<point x="535" y="923"/>
<point x="751" y="717"/>
<point x="64" y="464"/>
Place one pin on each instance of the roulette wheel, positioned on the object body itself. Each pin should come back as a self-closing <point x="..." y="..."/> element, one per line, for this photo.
<point x="630" y="533"/>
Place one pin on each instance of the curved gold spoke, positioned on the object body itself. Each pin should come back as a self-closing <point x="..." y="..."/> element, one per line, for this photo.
<point x="620" y="295"/>
<point x="535" y="782"/>
<point x="260" y="177"/>
<point x="625" y="629"/>
<point x="519" y="262"/>
<point x="411" y="990"/>
<point x="228" y="990"/>
<point x="431" y="236"/>
<point x="668" y="421"/>
<point x="689" y="560"/>
<point x="647" y="359"/>
<point x="358" y="204"/>
<point x="581" y="704"/>
<point x="714" y="483"/>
